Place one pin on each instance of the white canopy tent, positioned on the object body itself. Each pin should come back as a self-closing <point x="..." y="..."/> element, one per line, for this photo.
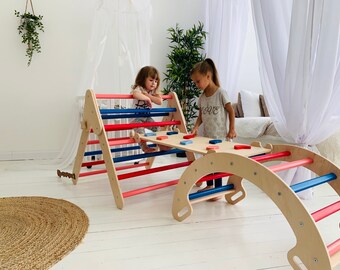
<point x="118" y="47"/>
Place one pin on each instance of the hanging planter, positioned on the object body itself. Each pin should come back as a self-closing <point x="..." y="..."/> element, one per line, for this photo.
<point x="29" y="28"/>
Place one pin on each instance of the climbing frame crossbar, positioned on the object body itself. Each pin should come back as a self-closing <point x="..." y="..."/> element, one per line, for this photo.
<point x="326" y="211"/>
<point x="310" y="247"/>
<point x="93" y="122"/>
<point x="228" y="160"/>
<point x="313" y="182"/>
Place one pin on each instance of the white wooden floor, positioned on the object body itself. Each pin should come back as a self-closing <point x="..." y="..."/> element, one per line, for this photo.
<point x="251" y="235"/>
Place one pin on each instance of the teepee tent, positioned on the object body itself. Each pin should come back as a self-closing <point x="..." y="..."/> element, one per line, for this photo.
<point x="118" y="47"/>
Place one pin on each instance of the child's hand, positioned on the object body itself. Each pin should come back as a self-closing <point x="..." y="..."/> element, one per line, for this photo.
<point x="148" y="101"/>
<point x="231" y="135"/>
<point x="194" y="131"/>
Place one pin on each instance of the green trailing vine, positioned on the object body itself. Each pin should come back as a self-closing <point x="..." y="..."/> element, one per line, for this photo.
<point x="29" y="28"/>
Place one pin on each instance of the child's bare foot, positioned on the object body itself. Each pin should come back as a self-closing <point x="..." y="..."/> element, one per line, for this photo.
<point x="148" y="149"/>
<point x="164" y="148"/>
<point x="215" y="199"/>
<point x="145" y="148"/>
<point x="206" y="188"/>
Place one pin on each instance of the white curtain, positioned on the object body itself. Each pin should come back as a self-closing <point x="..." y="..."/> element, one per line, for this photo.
<point x="299" y="52"/>
<point x="226" y="24"/>
<point x="118" y="47"/>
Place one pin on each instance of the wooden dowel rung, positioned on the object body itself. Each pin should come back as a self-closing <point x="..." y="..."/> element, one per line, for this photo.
<point x="147" y="155"/>
<point x="334" y="247"/>
<point x="114" y="150"/>
<point x="149" y="188"/>
<point x="212" y="191"/>
<point x="136" y="111"/>
<point x="92" y="173"/>
<point x="122" y="140"/>
<point x="313" y="182"/>
<point x="213" y="176"/>
<point x="123" y="96"/>
<point x="117" y="127"/>
<point x="207" y="197"/>
<point x="125" y="167"/>
<point x="92" y="163"/>
<point x="289" y="165"/>
<point x="154" y="170"/>
<point x="268" y="157"/>
<point x="132" y="115"/>
<point x="326" y="211"/>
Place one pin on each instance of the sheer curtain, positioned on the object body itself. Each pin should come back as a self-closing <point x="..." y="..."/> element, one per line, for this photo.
<point x="118" y="47"/>
<point x="299" y="52"/>
<point x="226" y="24"/>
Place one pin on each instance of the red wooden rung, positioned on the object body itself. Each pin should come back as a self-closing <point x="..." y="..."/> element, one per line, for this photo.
<point x="121" y="142"/>
<point x="125" y="167"/>
<point x="92" y="173"/>
<point x="154" y="170"/>
<point x="120" y="168"/>
<point x="150" y="188"/>
<point x="326" y="211"/>
<point x="116" y="127"/>
<point x="91" y="163"/>
<point x="267" y="157"/>
<point x="289" y="165"/>
<point x="334" y="247"/>
<point x="115" y="141"/>
<point x="213" y="176"/>
<point x="123" y="96"/>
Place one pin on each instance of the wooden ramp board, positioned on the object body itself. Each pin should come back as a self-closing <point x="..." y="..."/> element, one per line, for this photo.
<point x="199" y="144"/>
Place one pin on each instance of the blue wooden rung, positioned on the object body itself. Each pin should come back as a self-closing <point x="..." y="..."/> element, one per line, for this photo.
<point x="203" y="193"/>
<point x="171" y="132"/>
<point x="313" y="182"/>
<point x="111" y="111"/>
<point x="115" y="150"/>
<point x="147" y="155"/>
<point x="132" y="115"/>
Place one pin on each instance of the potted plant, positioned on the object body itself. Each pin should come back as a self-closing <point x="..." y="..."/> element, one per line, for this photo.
<point x="29" y="26"/>
<point x="186" y="50"/>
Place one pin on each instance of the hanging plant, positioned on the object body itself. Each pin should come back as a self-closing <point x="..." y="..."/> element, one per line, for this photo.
<point x="29" y="26"/>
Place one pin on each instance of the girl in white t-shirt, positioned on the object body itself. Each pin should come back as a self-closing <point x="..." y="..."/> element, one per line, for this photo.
<point x="214" y="108"/>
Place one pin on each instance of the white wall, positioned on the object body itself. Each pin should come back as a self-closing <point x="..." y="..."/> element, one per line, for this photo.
<point x="37" y="102"/>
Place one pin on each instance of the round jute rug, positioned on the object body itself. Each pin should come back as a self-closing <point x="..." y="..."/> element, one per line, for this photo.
<point x="37" y="232"/>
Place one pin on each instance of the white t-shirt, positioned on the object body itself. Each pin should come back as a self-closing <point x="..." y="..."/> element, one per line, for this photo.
<point x="214" y="114"/>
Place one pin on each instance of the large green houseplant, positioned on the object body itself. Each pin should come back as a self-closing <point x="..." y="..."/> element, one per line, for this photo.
<point x="186" y="50"/>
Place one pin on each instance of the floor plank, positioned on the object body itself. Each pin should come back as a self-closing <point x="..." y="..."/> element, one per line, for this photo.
<point x="252" y="235"/>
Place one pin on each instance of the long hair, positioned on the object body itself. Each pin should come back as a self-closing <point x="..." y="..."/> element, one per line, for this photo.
<point x="144" y="73"/>
<point x="204" y="67"/>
